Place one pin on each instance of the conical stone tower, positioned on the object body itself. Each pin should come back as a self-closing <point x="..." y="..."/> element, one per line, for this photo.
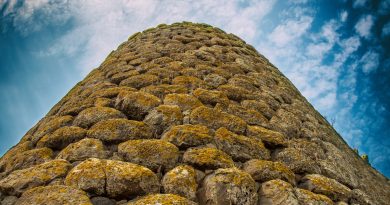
<point x="186" y="114"/>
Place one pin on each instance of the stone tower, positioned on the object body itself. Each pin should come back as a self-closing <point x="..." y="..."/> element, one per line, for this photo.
<point x="186" y="114"/>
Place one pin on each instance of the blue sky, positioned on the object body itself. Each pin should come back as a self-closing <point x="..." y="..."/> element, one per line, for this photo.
<point x="336" y="52"/>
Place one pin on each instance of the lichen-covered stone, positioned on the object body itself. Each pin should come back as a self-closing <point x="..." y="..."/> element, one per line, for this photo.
<point x="215" y="119"/>
<point x="185" y="136"/>
<point x="115" y="179"/>
<point x="297" y="161"/>
<point x="240" y="147"/>
<point x="119" y="130"/>
<point x="54" y="195"/>
<point x="164" y="89"/>
<point x="211" y="97"/>
<point x="28" y="158"/>
<point x="153" y="153"/>
<point x="136" y="104"/>
<point x="164" y="116"/>
<point x="140" y="81"/>
<point x="260" y="106"/>
<point x="250" y="116"/>
<point x="262" y="170"/>
<point x="20" y="180"/>
<point x="358" y="197"/>
<point x="84" y="149"/>
<point x="275" y="192"/>
<point x="306" y="197"/>
<point x="161" y="199"/>
<point x="99" y="200"/>
<point x="181" y="181"/>
<point x="207" y="158"/>
<point x="62" y="137"/>
<point x="323" y="185"/>
<point x="189" y="82"/>
<point x="91" y="116"/>
<point x="228" y="186"/>
<point x="184" y="101"/>
<point x="270" y="138"/>
<point x="49" y="125"/>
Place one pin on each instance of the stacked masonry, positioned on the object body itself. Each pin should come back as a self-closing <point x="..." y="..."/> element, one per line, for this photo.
<point x="186" y="114"/>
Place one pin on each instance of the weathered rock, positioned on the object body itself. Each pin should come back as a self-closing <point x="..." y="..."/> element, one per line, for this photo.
<point x="62" y="137"/>
<point x="21" y="180"/>
<point x="260" y="106"/>
<point x="270" y="138"/>
<point x="164" y="116"/>
<point x="211" y="97"/>
<point x="360" y="198"/>
<point x="162" y="199"/>
<point x="90" y="116"/>
<point x="153" y="154"/>
<point x="185" y="136"/>
<point x="164" y="89"/>
<point x="262" y="170"/>
<point x="140" y="81"/>
<point x="228" y="186"/>
<point x="297" y="161"/>
<point x="181" y="181"/>
<point x="136" y="104"/>
<point x="102" y="201"/>
<point x="184" y="101"/>
<point x="115" y="179"/>
<point x="240" y="147"/>
<point x="207" y="158"/>
<point x="9" y="200"/>
<point x="120" y="130"/>
<point x="28" y="158"/>
<point x="306" y="197"/>
<point x="84" y="149"/>
<point x="277" y="192"/>
<point x="189" y="82"/>
<point x="322" y="185"/>
<point x="215" y="119"/>
<point x="54" y="195"/>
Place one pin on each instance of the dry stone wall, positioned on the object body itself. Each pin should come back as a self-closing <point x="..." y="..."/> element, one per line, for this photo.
<point x="186" y="114"/>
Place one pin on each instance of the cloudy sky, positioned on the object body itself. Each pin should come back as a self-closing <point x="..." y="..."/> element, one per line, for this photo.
<point x="337" y="54"/>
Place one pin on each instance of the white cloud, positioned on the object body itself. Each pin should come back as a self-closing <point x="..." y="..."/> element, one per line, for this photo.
<point x="100" y="26"/>
<point x="343" y="16"/>
<point x="369" y="61"/>
<point x="364" y="25"/>
<point x="386" y="29"/>
<point x="359" y="3"/>
<point x="290" y="30"/>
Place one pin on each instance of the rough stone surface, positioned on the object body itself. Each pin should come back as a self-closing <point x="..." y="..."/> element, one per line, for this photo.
<point x="262" y="170"/>
<point x="116" y="179"/>
<point x="185" y="136"/>
<point x="84" y="149"/>
<point x="180" y="96"/>
<point x="207" y="158"/>
<point x="53" y="195"/>
<point x="154" y="154"/>
<point x="326" y="186"/>
<point x="119" y="130"/>
<point x="277" y="192"/>
<point x="229" y="186"/>
<point x="162" y="199"/>
<point x="20" y="180"/>
<point x="308" y="197"/>
<point x="182" y="181"/>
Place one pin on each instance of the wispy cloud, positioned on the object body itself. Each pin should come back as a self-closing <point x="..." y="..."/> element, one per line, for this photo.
<point x="100" y="27"/>
<point x="359" y="3"/>
<point x="364" y="25"/>
<point x="369" y="61"/>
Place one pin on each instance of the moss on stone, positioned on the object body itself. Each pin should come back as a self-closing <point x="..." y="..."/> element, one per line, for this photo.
<point x="153" y="153"/>
<point x="211" y="97"/>
<point x="262" y="170"/>
<point x="164" y="89"/>
<point x="140" y="81"/>
<point x="181" y="181"/>
<point x="91" y="116"/>
<point x="136" y="104"/>
<point x="119" y="130"/>
<point x="62" y="137"/>
<point x="207" y="158"/>
<point x="184" y="101"/>
<point x="185" y="136"/>
<point x="215" y="119"/>
<point x="269" y="137"/>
